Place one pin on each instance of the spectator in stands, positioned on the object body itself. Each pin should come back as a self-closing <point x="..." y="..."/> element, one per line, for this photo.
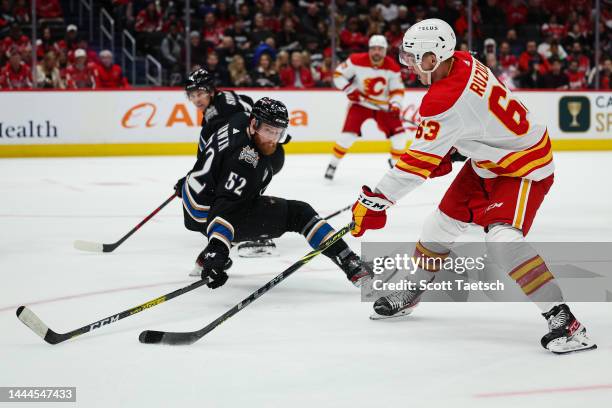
<point x="123" y="10"/>
<point x="490" y="47"/>
<point x="225" y="19"/>
<point x="577" y="78"/>
<point x="296" y="75"/>
<point x="22" y="12"/>
<point x="553" y="29"/>
<point x="240" y="35"/>
<point x="149" y="19"/>
<point x="219" y="73"/>
<point x="259" y="32"/>
<point x="172" y="48"/>
<point x="108" y="74"/>
<point x="389" y="11"/>
<point x="227" y="51"/>
<point x="270" y="16"/>
<point x="49" y="11"/>
<point x="269" y="46"/>
<point x="244" y="14"/>
<point x="375" y="22"/>
<point x="516" y="13"/>
<point x="16" y="40"/>
<point x="516" y="47"/>
<point x="351" y="40"/>
<point x="47" y="73"/>
<point x="198" y="51"/>
<point x="239" y="75"/>
<point x="491" y="62"/>
<point x="605" y="75"/>
<point x="70" y="41"/>
<point x="287" y="10"/>
<point x="45" y="43"/>
<point x="403" y="19"/>
<point x="394" y="37"/>
<point x="584" y="64"/>
<point x="287" y="39"/>
<point x="264" y="75"/>
<point x="577" y="34"/>
<point x="171" y="20"/>
<point x="325" y="72"/>
<point x="81" y="74"/>
<point x="16" y="74"/>
<point x="555" y="79"/>
<point x="212" y="31"/>
<point x="551" y="48"/>
<point x="505" y="58"/>
<point x="532" y="65"/>
<point x="310" y="20"/>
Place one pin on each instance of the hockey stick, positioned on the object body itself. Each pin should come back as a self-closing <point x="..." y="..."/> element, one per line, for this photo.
<point x="332" y="215"/>
<point x="99" y="247"/>
<point x="181" y="338"/>
<point x="28" y="317"/>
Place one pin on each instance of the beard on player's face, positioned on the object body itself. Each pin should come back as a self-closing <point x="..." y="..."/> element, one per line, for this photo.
<point x="265" y="138"/>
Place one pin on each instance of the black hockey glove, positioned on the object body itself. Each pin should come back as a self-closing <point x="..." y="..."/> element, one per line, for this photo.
<point x="178" y="187"/>
<point x="216" y="255"/>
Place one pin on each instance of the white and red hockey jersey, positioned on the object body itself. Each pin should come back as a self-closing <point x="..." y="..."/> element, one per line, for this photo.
<point x="378" y="85"/>
<point x="475" y="113"/>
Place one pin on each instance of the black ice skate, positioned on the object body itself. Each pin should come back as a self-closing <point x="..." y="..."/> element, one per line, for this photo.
<point x="397" y="304"/>
<point x="566" y="333"/>
<point x="355" y="269"/>
<point x="257" y="249"/>
<point x="199" y="265"/>
<point x="329" y="173"/>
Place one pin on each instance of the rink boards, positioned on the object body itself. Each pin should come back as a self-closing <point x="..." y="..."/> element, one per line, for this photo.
<point x="162" y="122"/>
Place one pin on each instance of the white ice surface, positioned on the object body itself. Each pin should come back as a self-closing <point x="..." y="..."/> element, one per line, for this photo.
<point x="308" y="342"/>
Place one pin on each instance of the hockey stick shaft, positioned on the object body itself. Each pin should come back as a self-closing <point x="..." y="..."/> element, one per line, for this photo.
<point x="332" y="215"/>
<point x="83" y="245"/>
<point x="28" y="317"/>
<point x="153" y="336"/>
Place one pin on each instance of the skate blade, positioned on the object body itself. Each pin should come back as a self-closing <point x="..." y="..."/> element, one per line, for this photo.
<point x="403" y="313"/>
<point x="249" y="253"/>
<point x="593" y="347"/>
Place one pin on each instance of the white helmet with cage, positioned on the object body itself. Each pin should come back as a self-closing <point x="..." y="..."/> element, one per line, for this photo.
<point x="427" y="36"/>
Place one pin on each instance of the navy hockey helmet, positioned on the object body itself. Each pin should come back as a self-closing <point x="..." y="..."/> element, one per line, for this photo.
<point x="200" y="79"/>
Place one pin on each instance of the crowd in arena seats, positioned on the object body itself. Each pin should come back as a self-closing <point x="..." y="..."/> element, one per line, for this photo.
<point x="287" y="43"/>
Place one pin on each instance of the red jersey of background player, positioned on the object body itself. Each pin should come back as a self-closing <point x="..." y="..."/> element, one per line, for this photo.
<point x="16" y="79"/>
<point x="110" y="77"/>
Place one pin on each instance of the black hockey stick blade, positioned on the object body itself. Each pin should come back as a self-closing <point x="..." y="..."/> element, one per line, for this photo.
<point x="30" y="319"/>
<point x="184" y="338"/>
<point x="99" y="247"/>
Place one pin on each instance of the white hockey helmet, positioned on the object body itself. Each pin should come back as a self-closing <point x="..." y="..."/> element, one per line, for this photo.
<point x="378" y="41"/>
<point x="430" y="35"/>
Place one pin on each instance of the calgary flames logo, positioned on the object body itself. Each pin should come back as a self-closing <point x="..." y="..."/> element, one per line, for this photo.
<point x="371" y="86"/>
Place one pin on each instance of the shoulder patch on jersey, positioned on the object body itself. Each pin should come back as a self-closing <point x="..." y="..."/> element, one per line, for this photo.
<point x="210" y="113"/>
<point x="443" y="94"/>
<point x="361" y="59"/>
<point x="391" y="64"/>
<point x="249" y="155"/>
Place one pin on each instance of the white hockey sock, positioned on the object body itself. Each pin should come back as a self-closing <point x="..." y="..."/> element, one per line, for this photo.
<point x="510" y="250"/>
<point x="398" y="145"/>
<point x="343" y="144"/>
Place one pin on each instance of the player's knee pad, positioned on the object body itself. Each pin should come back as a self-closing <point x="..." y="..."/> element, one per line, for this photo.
<point x="506" y="245"/>
<point x="347" y="139"/>
<point x="299" y="214"/>
<point x="441" y="231"/>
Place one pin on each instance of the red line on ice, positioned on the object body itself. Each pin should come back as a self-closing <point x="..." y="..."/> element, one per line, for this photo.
<point x="544" y="391"/>
<point x="86" y="294"/>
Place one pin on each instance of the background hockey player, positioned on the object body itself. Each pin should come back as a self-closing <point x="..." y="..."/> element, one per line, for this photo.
<point x="372" y="82"/>
<point x="500" y="188"/>
<point x="223" y="197"/>
<point x="217" y="107"/>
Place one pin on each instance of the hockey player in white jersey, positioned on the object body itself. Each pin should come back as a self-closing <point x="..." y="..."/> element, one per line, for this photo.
<point x="500" y="187"/>
<point x="373" y="85"/>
